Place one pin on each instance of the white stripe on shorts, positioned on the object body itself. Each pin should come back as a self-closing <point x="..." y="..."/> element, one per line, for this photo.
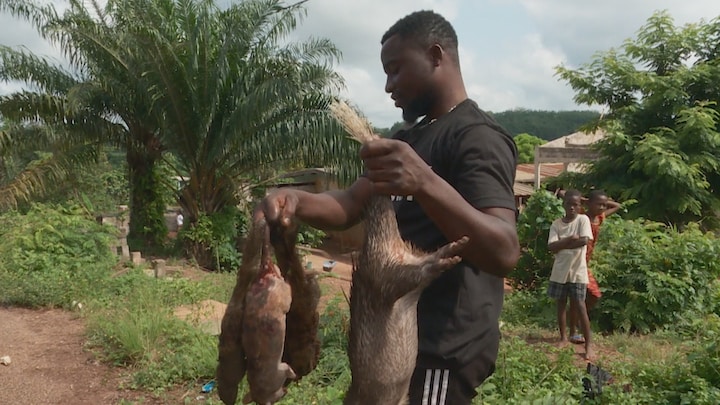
<point x="435" y="387"/>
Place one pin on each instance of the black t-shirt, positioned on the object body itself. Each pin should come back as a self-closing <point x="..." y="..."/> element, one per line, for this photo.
<point x="458" y="313"/>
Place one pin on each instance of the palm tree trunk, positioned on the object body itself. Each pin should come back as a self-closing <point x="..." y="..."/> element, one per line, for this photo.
<point x="205" y="194"/>
<point x="147" y="207"/>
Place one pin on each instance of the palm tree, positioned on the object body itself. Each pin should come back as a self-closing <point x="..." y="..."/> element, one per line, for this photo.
<point x="237" y="102"/>
<point x="101" y="98"/>
<point x="222" y="90"/>
<point x="44" y="137"/>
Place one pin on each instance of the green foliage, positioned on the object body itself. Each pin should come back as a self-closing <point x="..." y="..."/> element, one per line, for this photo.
<point x="211" y="238"/>
<point x="532" y="308"/>
<point x="52" y="256"/>
<point x="526" y="374"/>
<point x="147" y="207"/>
<point x="98" y="187"/>
<point x="310" y="236"/>
<point x="329" y="381"/>
<point x="662" y="93"/>
<point x="133" y="325"/>
<point x="526" y="144"/>
<point x="533" y="228"/>
<point x="667" y="381"/>
<point x="547" y="125"/>
<point x="651" y="274"/>
<point x="704" y="330"/>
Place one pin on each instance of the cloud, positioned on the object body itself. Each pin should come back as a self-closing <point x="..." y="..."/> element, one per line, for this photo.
<point x="582" y="28"/>
<point x="525" y="78"/>
<point x="509" y="48"/>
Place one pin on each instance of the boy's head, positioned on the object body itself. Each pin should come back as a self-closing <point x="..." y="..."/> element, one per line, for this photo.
<point x="572" y="202"/>
<point x="597" y="203"/>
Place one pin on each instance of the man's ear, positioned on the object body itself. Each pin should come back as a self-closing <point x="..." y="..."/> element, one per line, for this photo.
<point x="436" y="54"/>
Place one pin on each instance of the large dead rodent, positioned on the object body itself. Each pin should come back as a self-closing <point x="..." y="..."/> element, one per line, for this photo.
<point x="231" y="355"/>
<point x="302" y="345"/>
<point x="387" y="281"/>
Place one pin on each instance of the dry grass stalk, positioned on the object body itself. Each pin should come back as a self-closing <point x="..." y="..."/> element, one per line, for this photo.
<point x="358" y="127"/>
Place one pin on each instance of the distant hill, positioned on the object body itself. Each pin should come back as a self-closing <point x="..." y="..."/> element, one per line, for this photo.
<point x="547" y="125"/>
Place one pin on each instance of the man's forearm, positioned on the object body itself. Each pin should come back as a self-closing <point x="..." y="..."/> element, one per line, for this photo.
<point x="333" y="210"/>
<point x="493" y="245"/>
<point x="569" y="242"/>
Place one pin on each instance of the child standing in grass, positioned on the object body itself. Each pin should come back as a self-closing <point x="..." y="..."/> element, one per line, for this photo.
<point x="568" y="240"/>
<point x="599" y="206"/>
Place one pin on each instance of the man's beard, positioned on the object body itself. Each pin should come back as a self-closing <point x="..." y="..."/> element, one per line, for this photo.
<point x="420" y="107"/>
<point x="410" y="117"/>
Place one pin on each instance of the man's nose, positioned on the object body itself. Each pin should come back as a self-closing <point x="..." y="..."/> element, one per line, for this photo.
<point x="389" y="85"/>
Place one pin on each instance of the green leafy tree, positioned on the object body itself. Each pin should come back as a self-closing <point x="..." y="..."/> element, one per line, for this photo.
<point x="653" y="275"/>
<point x="526" y="144"/>
<point x="663" y="147"/>
<point x="533" y="227"/>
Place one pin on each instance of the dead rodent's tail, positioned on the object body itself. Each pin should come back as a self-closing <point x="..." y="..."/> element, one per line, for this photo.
<point x="358" y="127"/>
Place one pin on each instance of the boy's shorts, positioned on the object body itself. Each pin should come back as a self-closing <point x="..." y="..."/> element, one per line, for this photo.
<point x="575" y="291"/>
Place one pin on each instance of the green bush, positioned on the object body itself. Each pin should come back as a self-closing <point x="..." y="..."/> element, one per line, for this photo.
<point x="704" y="356"/>
<point x="535" y="264"/>
<point x="525" y="374"/>
<point x="52" y="256"/>
<point x="530" y="308"/>
<point x="670" y="381"/>
<point x="310" y="236"/>
<point x="651" y="274"/>
<point x="211" y="240"/>
<point x="133" y="325"/>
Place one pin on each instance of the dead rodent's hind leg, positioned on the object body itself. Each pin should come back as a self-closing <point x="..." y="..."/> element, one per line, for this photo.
<point x="417" y="269"/>
<point x="433" y="264"/>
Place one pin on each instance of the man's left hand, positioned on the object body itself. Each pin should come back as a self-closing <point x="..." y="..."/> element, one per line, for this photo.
<point x="394" y="168"/>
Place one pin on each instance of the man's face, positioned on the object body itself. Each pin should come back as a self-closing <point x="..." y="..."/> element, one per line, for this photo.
<point x="409" y="69"/>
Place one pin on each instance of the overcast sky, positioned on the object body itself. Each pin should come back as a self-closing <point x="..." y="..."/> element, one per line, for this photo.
<point x="508" y="48"/>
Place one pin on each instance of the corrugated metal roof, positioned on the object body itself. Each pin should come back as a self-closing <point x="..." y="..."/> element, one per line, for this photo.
<point x="525" y="172"/>
<point x="522" y="189"/>
<point x="575" y="139"/>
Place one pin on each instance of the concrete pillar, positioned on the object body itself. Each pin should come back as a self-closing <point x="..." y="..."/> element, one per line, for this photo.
<point x="136" y="258"/>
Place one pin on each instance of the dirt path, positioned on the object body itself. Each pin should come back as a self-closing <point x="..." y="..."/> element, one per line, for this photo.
<point x="48" y="363"/>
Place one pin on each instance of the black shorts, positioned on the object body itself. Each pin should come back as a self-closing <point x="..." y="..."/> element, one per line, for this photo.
<point x="440" y="382"/>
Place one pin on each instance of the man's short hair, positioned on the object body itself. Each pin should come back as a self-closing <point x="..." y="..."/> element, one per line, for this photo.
<point x="570" y="194"/>
<point x="426" y="28"/>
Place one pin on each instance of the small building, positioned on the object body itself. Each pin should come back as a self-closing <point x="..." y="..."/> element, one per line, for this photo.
<point x="317" y="180"/>
<point x="572" y="151"/>
<point x="525" y="177"/>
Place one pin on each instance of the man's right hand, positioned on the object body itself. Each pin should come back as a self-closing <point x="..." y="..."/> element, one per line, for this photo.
<point x="329" y="210"/>
<point x="279" y="207"/>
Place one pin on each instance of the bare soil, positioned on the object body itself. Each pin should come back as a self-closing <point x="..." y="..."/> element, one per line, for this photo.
<point x="48" y="362"/>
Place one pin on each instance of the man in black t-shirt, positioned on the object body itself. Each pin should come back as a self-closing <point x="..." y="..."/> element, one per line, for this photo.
<point x="450" y="175"/>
